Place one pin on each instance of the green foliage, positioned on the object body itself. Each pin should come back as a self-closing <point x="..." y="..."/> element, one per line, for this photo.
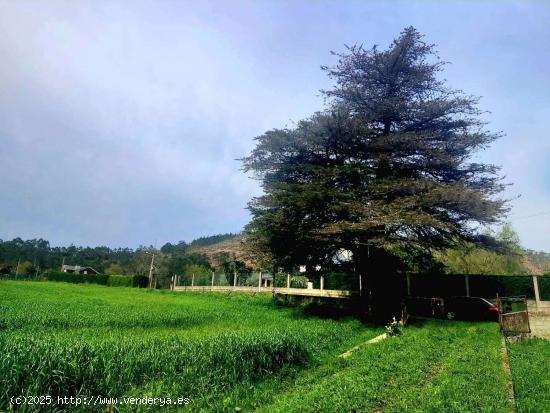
<point x="298" y="281"/>
<point x="178" y="248"/>
<point x="114" y="269"/>
<point x="471" y="259"/>
<point x="47" y="257"/>
<point x="183" y="264"/>
<point x="26" y="268"/>
<point x="120" y="281"/>
<point x="386" y="166"/>
<point x="231" y="266"/>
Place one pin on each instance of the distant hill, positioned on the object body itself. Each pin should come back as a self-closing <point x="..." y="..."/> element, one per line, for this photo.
<point x="536" y="262"/>
<point x="211" y="240"/>
<point x="216" y="244"/>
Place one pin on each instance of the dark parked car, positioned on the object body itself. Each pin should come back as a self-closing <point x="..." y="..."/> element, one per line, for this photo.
<point x="460" y="308"/>
<point x="425" y="307"/>
<point x="470" y="308"/>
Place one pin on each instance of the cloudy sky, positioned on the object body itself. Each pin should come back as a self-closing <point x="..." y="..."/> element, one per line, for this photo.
<point x="120" y="121"/>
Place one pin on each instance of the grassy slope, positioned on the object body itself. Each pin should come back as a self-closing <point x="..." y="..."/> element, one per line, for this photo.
<point x="530" y="364"/>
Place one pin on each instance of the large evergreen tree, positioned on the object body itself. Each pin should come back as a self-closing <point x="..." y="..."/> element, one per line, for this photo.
<point x="385" y="171"/>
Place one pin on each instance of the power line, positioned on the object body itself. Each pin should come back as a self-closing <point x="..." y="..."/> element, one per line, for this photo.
<point x="538" y="214"/>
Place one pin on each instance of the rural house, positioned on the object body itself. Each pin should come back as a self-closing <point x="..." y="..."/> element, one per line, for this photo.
<point x="77" y="269"/>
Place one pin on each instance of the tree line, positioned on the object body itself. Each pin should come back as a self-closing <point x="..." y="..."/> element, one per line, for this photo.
<point x="37" y="255"/>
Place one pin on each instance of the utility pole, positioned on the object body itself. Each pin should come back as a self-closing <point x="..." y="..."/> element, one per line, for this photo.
<point x="151" y="270"/>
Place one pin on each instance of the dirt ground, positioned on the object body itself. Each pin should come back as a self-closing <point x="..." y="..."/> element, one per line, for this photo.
<point x="539" y="319"/>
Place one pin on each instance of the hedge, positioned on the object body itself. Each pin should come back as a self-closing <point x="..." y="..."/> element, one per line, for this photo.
<point x="487" y="286"/>
<point x="101" y="279"/>
<point x="77" y="278"/>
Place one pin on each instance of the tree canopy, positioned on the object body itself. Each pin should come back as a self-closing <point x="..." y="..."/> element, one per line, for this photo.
<point x="386" y="167"/>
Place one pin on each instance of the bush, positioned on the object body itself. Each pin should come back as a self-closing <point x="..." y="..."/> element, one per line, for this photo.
<point x="298" y="281"/>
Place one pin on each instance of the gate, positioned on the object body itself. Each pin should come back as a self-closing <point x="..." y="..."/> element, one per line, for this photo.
<point x="513" y="315"/>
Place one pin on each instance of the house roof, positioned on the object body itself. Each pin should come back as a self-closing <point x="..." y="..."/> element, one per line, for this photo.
<point x="78" y="268"/>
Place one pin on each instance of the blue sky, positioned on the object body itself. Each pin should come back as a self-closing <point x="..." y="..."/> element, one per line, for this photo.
<point x="120" y="122"/>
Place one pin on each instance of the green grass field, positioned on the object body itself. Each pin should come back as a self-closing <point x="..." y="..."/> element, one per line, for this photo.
<point x="530" y="364"/>
<point x="235" y="353"/>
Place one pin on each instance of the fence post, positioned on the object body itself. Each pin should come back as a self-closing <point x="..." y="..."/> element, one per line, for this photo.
<point x="288" y="281"/>
<point x="322" y="282"/>
<point x="193" y="280"/>
<point x="467" y="282"/>
<point x="234" y="278"/>
<point x="260" y="282"/>
<point x="536" y="288"/>
<point x="213" y="275"/>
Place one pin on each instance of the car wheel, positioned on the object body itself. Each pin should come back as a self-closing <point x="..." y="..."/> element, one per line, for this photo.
<point x="450" y="315"/>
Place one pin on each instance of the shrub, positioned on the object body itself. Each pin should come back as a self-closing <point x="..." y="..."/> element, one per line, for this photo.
<point x="298" y="281"/>
<point x="393" y="329"/>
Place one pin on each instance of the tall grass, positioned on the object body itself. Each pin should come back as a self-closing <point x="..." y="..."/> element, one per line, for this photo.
<point x="66" y="340"/>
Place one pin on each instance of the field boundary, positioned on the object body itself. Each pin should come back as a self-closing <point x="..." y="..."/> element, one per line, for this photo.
<point x="508" y="373"/>
<point x="278" y="290"/>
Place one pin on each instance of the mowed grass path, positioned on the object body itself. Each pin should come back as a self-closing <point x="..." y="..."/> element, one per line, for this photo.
<point x="237" y="352"/>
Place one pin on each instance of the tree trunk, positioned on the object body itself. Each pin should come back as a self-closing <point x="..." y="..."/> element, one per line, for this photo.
<point x="381" y="294"/>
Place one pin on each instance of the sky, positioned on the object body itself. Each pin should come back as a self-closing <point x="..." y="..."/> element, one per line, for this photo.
<point x="121" y="122"/>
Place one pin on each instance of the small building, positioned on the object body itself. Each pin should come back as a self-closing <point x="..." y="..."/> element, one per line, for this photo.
<point x="77" y="269"/>
<point x="267" y="280"/>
